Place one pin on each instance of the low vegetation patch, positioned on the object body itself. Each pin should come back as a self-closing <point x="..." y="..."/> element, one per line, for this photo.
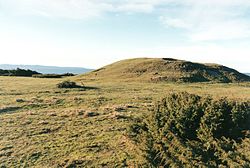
<point x="186" y="130"/>
<point x="18" y="72"/>
<point x="68" y="84"/>
<point x="52" y="75"/>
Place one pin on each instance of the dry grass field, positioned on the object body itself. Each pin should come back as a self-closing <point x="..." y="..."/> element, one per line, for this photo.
<point x="43" y="126"/>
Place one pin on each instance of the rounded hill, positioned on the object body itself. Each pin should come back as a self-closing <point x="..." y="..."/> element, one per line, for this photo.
<point x="165" y="69"/>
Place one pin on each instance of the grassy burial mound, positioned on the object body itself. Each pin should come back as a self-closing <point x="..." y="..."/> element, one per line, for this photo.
<point x="165" y="69"/>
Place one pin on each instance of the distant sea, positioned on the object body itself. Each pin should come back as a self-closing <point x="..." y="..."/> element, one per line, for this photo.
<point x="47" y="69"/>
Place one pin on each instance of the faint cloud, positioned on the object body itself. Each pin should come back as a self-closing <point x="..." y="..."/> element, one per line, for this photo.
<point x="79" y="9"/>
<point x="175" y="22"/>
<point x="69" y="9"/>
<point x="200" y="20"/>
<point x="224" y="30"/>
<point x="138" y="8"/>
<point x="210" y="20"/>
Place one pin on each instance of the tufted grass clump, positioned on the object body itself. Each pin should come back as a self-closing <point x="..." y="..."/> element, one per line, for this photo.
<point x="186" y="130"/>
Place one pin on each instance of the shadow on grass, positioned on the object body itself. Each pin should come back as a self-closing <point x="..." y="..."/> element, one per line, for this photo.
<point x="89" y="87"/>
<point x="81" y="88"/>
<point x="75" y="89"/>
<point x="9" y="109"/>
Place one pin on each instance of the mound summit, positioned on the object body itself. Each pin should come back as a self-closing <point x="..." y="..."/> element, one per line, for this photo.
<point x="165" y="69"/>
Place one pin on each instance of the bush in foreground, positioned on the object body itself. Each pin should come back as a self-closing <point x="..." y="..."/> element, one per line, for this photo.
<point x="186" y="130"/>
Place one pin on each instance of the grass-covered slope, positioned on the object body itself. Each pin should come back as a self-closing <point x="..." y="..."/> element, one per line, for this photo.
<point x="165" y="69"/>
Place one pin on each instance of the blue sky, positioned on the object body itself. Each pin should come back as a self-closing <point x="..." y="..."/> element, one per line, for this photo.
<point x="93" y="33"/>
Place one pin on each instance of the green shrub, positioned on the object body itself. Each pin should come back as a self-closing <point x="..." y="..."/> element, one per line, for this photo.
<point x="18" y="72"/>
<point x="186" y="130"/>
<point x="67" y="84"/>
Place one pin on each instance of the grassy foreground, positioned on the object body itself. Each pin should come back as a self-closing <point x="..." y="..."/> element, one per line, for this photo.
<point x="43" y="126"/>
